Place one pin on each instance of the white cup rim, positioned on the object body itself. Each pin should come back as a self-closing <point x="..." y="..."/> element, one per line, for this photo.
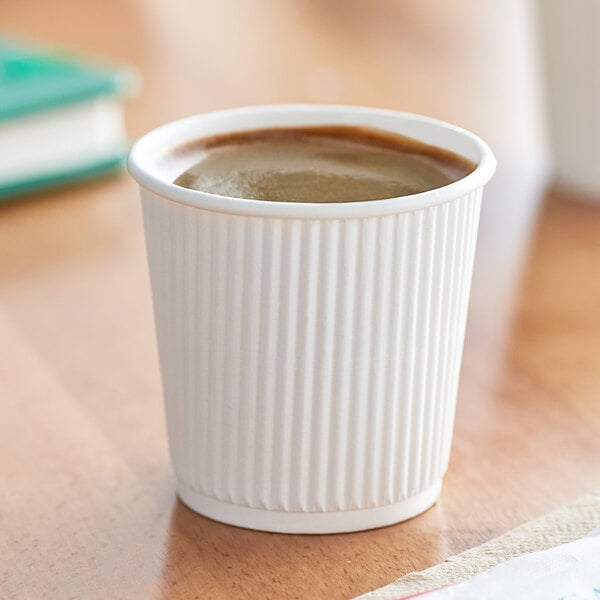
<point x="144" y="164"/>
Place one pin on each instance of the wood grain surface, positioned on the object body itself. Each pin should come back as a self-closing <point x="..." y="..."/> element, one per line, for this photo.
<point x="87" y="503"/>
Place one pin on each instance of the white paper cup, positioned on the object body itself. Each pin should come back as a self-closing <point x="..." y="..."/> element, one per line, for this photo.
<point x="571" y="55"/>
<point x="310" y="353"/>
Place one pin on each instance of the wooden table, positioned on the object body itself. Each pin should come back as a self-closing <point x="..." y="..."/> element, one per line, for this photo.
<point x="87" y="507"/>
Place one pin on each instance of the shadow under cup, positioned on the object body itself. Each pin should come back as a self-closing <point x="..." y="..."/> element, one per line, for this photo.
<point x="310" y="352"/>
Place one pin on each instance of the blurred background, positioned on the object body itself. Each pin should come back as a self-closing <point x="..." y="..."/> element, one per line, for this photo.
<point x="470" y="62"/>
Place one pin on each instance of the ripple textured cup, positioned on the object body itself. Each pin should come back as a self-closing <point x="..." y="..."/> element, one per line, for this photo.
<point x="310" y="353"/>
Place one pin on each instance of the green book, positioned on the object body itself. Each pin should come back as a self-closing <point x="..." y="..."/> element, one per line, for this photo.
<point x="61" y="118"/>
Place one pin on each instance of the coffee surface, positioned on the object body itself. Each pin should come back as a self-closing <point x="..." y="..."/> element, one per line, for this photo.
<point x="319" y="164"/>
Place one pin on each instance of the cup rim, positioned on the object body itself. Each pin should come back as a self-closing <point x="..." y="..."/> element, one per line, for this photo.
<point x="176" y="133"/>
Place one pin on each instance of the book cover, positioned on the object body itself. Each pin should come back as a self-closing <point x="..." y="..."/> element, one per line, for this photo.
<point x="60" y="118"/>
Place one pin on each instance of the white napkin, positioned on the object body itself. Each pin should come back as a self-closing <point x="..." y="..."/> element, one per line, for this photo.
<point x="566" y="572"/>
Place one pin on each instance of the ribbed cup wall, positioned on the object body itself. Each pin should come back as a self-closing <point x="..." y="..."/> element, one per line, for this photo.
<point x="310" y="365"/>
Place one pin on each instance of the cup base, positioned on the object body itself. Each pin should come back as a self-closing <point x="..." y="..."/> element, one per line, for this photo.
<point x="308" y="523"/>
